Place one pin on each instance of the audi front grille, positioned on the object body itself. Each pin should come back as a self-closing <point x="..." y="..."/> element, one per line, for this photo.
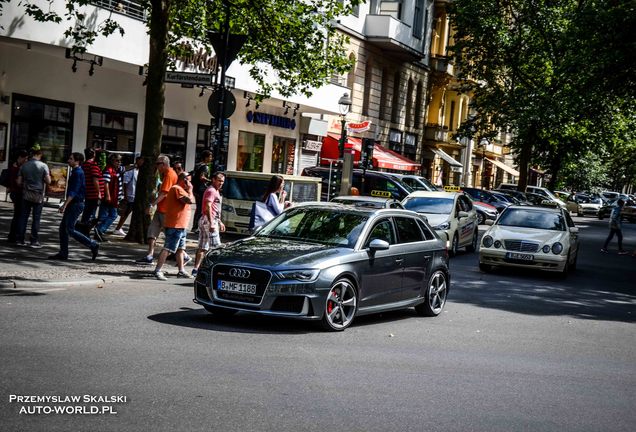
<point x="229" y="280"/>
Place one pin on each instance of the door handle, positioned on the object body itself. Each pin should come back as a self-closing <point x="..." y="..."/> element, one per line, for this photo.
<point x="399" y="260"/>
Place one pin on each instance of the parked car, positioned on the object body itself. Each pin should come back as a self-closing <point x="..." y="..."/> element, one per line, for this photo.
<point x="330" y="263"/>
<point x="451" y="214"/>
<point x="368" y="202"/>
<point x="628" y="213"/>
<point x="485" y="212"/>
<point x="487" y="197"/>
<point x="518" y="195"/>
<point x="536" y="190"/>
<point x="585" y="205"/>
<point x="541" y="238"/>
<point x="416" y="182"/>
<point x="376" y="183"/>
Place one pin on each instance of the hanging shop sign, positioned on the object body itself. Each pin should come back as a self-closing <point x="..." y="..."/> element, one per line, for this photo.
<point x="272" y="120"/>
<point x="312" y="145"/>
<point x="188" y="78"/>
<point x="359" y="127"/>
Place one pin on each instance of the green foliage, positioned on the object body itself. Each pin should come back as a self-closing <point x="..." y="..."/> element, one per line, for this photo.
<point x="559" y="74"/>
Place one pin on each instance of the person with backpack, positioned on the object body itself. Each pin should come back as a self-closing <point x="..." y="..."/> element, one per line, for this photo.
<point x="33" y="177"/>
<point x="200" y="182"/>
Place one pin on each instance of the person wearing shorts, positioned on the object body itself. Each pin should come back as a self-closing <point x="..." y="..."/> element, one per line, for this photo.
<point x="168" y="179"/>
<point x="210" y="225"/>
<point x="176" y="220"/>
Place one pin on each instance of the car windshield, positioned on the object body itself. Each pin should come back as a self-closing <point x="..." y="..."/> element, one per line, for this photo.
<point x="317" y="225"/>
<point x="532" y="219"/>
<point x="431" y="205"/>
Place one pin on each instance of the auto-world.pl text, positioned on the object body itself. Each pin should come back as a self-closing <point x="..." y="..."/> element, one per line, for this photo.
<point x="69" y="404"/>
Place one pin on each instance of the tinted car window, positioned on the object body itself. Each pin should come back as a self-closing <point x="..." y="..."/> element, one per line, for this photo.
<point x="382" y="230"/>
<point x="408" y="231"/>
<point x="465" y="203"/>
<point x="244" y="189"/>
<point x="432" y="205"/>
<point x="428" y="235"/>
<point x="568" y="219"/>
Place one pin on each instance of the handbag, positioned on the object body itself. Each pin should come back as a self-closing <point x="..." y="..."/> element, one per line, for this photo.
<point x="33" y="195"/>
<point x="260" y="215"/>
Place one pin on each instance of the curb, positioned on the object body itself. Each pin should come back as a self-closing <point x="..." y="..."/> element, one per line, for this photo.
<point x="17" y="284"/>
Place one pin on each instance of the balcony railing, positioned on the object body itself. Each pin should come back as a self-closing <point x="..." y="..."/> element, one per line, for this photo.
<point x="131" y="8"/>
<point x="435" y="132"/>
<point x="442" y="65"/>
<point x="393" y="35"/>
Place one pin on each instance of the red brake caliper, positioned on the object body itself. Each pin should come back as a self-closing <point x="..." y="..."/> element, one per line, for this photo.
<point x="330" y="303"/>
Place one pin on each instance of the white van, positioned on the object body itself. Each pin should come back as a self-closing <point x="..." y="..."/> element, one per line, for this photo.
<point x="242" y="188"/>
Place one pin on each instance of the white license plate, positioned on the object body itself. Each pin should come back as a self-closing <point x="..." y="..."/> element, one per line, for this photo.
<point x="519" y="256"/>
<point x="238" y="287"/>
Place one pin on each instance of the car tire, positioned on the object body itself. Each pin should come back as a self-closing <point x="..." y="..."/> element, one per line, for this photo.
<point x="573" y="265"/>
<point x="481" y="218"/>
<point x="600" y="216"/>
<point x="486" y="268"/>
<point x="341" y="305"/>
<point x="472" y="247"/>
<point x="579" y="214"/>
<point x="566" y="268"/>
<point x="436" y="293"/>
<point x="454" y="246"/>
<point x="220" y="312"/>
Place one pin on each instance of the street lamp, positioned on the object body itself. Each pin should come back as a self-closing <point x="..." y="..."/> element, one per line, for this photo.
<point x="344" y="104"/>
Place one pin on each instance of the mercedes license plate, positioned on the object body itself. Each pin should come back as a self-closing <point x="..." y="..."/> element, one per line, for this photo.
<point x="237" y="287"/>
<point x="519" y="256"/>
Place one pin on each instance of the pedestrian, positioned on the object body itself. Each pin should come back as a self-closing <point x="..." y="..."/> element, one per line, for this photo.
<point x="210" y="225"/>
<point x="168" y="179"/>
<point x="178" y="168"/>
<point x="94" y="186"/>
<point x="176" y="221"/>
<point x="113" y="193"/>
<point x="130" y="186"/>
<point x="615" y="227"/>
<point x="271" y="204"/>
<point x="15" y="193"/>
<point x="33" y="176"/>
<point x="72" y="209"/>
<point x="200" y="182"/>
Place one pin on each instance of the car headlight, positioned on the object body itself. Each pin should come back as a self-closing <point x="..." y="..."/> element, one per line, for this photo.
<point x="487" y="241"/>
<point x="227" y="208"/>
<point x="546" y="249"/>
<point x="298" y="275"/>
<point x="443" y="226"/>
<point x="557" y="248"/>
<point x="497" y="244"/>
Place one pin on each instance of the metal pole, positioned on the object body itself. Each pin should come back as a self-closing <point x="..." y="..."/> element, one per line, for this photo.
<point x="220" y="158"/>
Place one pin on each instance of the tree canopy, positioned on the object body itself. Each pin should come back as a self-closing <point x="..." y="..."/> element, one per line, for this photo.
<point x="558" y="74"/>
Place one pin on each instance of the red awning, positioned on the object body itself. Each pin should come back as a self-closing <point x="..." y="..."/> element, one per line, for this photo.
<point x="382" y="157"/>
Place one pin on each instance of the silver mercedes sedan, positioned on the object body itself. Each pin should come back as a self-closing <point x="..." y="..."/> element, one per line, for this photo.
<point x="330" y="263"/>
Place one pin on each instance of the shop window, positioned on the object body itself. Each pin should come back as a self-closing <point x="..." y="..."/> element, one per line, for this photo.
<point x="250" y="150"/>
<point x="48" y="123"/>
<point x="410" y="146"/>
<point x="173" y="139"/>
<point x="113" y="131"/>
<point x="283" y="155"/>
<point x="395" y="140"/>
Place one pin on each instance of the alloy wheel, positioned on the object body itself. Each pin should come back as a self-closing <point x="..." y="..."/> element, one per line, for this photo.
<point x="341" y="305"/>
<point x="435" y="295"/>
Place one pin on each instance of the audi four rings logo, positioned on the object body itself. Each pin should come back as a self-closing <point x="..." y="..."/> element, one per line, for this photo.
<point x="239" y="273"/>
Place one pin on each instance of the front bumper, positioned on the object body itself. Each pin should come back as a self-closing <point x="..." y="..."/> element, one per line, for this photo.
<point x="541" y="261"/>
<point x="303" y="301"/>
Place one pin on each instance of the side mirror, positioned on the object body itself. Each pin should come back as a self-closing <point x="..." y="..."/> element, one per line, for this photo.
<point x="574" y="230"/>
<point x="378" y="244"/>
<point x="462" y="214"/>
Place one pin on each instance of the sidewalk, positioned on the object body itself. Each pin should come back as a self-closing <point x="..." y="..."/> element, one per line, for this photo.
<point x="24" y="266"/>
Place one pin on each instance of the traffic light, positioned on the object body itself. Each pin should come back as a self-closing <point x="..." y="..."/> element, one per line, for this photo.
<point x="335" y="180"/>
<point x="366" y="157"/>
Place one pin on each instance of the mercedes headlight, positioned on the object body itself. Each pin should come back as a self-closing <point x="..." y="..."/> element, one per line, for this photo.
<point x="546" y="249"/>
<point x="298" y="275"/>
<point x="443" y="226"/>
<point x="557" y="248"/>
<point x="497" y="244"/>
<point x="227" y="208"/>
<point x="487" y="241"/>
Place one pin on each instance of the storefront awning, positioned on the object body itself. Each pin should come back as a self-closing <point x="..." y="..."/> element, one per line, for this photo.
<point x="448" y="158"/>
<point x="382" y="157"/>
<point x="504" y="167"/>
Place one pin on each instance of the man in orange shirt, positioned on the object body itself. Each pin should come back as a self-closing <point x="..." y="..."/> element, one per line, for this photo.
<point x="176" y="220"/>
<point x="168" y="179"/>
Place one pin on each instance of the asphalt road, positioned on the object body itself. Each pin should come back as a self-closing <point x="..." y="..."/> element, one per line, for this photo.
<point x="512" y="351"/>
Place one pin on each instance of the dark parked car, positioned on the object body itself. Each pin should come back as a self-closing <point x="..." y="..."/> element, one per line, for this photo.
<point x="376" y="183"/>
<point x="329" y="263"/>
<point x="486" y="197"/>
<point x="368" y="202"/>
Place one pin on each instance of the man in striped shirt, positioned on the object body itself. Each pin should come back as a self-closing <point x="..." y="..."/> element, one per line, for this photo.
<point x="94" y="185"/>
<point x="113" y="193"/>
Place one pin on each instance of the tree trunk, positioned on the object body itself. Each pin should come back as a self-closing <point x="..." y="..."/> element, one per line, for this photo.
<point x="153" y="121"/>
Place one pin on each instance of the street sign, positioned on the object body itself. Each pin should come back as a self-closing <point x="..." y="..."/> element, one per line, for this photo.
<point x="188" y="78"/>
<point x="229" y="104"/>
